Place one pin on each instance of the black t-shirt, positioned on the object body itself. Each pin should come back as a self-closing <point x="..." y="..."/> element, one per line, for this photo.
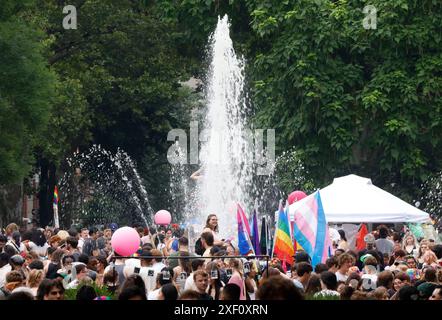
<point x="52" y="271"/>
<point x="205" y="296"/>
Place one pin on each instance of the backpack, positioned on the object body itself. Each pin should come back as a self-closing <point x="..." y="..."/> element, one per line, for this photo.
<point x="199" y="250"/>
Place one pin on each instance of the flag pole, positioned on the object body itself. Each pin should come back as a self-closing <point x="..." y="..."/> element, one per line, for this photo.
<point x="276" y="230"/>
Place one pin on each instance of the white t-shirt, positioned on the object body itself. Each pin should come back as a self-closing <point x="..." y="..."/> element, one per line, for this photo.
<point x="158" y="266"/>
<point x="215" y="234"/>
<point x="207" y="253"/>
<point x="161" y="246"/>
<point x="340" y="276"/>
<point x="190" y="284"/>
<point x="255" y="287"/>
<point x="80" y="244"/>
<point x="146" y="239"/>
<point x="153" y="295"/>
<point x="3" y="272"/>
<point x="369" y="281"/>
<point x="41" y="251"/>
<point x="149" y="276"/>
<point x="298" y="284"/>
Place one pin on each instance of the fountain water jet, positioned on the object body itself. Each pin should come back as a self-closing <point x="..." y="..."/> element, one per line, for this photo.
<point x="99" y="186"/>
<point x="226" y="154"/>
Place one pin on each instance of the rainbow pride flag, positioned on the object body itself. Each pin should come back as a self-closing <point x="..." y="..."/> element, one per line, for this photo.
<point x="283" y="245"/>
<point x="55" y="196"/>
<point x="311" y="229"/>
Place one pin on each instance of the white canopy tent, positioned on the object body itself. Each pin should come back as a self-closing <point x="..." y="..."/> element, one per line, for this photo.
<point x="354" y="199"/>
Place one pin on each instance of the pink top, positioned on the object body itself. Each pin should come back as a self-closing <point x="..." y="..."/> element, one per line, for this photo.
<point x="237" y="279"/>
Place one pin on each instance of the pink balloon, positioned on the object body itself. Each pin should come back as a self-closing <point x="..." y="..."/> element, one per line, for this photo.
<point x="125" y="241"/>
<point x="163" y="217"/>
<point x="296" y="196"/>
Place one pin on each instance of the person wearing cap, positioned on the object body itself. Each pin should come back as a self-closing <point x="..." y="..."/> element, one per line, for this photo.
<point x="369" y="240"/>
<point x="426" y="289"/>
<point x="17" y="263"/>
<point x="113" y="227"/>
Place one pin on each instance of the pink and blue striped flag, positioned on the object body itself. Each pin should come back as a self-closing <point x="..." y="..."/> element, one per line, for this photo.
<point x="311" y="229"/>
<point x="245" y="220"/>
<point x="244" y="244"/>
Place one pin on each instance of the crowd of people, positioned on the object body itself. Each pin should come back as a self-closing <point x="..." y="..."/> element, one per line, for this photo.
<point x="52" y="264"/>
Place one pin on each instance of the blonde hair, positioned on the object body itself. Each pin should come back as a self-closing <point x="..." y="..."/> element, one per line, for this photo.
<point x="409" y="235"/>
<point x="34" y="278"/>
<point x="10" y="228"/>
<point x="429" y="256"/>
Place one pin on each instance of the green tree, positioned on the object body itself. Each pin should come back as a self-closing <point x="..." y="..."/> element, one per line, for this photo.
<point x="26" y="91"/>
<point x="119" y="83"/>
<point x="351" y="99"/>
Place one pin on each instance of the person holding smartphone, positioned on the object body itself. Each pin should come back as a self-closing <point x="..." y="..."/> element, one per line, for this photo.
<point x="215" y="284"/>
<point x="237" y="276"/>
<point x="182" y="271"/>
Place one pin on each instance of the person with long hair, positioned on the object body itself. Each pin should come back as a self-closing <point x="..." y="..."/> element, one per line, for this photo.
<point x="215" y="284"/>
<point x="409" y="245"/>
<point x="343" y="243"/>
<point x="422" y="249"/>
<point x="39" y="239"/>
<point x="100" y="267"/>
<point x="168" y="292"/>
<point x="10" y="229"/>
<point x="430" y="259"/>
<point x="237" y="276"/>
<point x="212" y="226"/>
<point x="182" y="271"/>
<point x="133" y="280"/>
<point x="35" y="277"/>
<point x="250" y="281"/>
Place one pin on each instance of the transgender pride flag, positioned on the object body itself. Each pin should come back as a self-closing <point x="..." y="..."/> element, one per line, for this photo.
<point x="311" y="229"/>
